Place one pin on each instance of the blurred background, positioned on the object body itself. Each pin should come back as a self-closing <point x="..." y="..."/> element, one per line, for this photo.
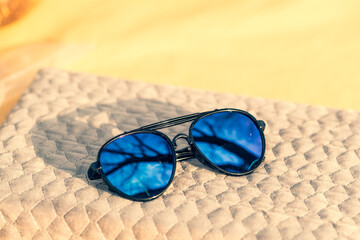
<point x="303" y="51"/>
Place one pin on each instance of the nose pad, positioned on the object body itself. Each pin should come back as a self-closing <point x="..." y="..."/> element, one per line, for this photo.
<point x="184" y="153"/>
<point x="180" y="136"/>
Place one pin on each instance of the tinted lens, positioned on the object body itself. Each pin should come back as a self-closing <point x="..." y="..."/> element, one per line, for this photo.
<point x="230" y="140"/>
<point x="139" y="165"/>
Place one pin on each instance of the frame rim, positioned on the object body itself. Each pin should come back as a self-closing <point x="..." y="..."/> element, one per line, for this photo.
<point x="122" y="194"/>
<point x="198" y="152"/>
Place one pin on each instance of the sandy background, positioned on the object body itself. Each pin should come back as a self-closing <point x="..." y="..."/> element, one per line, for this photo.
<point x="303" y="51"/>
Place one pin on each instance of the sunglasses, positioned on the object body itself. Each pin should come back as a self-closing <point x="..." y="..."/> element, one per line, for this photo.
<point x="140" y="164"/>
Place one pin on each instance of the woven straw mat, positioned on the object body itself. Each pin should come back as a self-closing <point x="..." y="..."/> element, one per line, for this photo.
<point x="307" y="188"/>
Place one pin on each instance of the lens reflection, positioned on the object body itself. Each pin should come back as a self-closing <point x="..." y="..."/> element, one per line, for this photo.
<point x="139" y="165"/>
<point x="230" y="140"/>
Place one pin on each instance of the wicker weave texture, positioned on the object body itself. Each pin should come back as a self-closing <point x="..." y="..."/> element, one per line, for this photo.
<point x="307" y="188"/>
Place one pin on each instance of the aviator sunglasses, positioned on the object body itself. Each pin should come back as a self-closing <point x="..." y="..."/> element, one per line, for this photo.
<point x="140" y="164"/>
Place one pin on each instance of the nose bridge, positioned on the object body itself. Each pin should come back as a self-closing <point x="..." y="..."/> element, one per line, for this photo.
<point x="184" y="153"/>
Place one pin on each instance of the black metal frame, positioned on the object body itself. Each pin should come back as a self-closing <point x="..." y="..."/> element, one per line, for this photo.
<point x="95" y="170"/>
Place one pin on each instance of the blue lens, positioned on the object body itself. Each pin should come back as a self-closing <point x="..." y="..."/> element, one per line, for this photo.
<point x="140" y="165"/>
<point x="230" y="140"/>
